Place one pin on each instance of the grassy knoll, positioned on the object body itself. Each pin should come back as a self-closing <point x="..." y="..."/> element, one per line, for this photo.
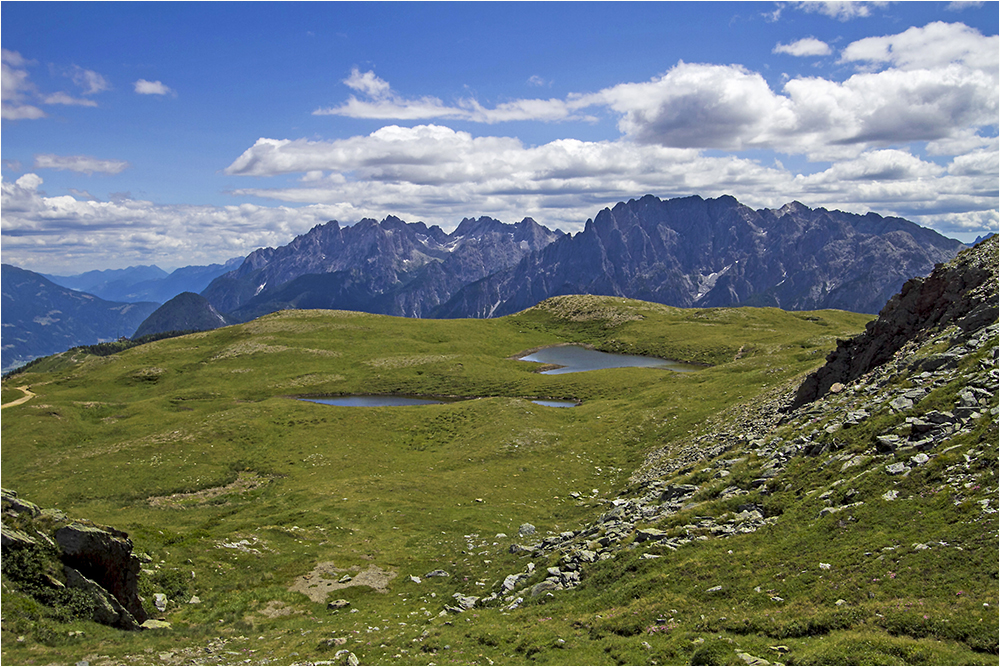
<point x="197" y="447"/>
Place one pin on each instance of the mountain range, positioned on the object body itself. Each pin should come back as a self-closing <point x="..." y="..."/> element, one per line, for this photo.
<point x="41" y="318"/>
<point x="685" y="252"/>
<point x="389" y="267"/>
<point x="144" y="283"/>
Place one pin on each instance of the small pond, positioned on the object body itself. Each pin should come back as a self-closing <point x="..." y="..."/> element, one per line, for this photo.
<point x="576" y="359"/>
<point x="375" y="401"/>
<point x="360" y="401"/>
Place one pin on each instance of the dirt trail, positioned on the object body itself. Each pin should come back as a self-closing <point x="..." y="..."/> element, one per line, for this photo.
<point x="28" y="395"/>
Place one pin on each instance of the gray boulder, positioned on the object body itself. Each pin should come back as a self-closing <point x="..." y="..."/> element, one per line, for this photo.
<point x="105" y="556"/>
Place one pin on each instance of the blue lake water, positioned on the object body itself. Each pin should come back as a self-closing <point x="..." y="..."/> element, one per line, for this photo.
<point x="399" y="401"/>
<point x="576" y="359"/>
<point x="374" y="401"/>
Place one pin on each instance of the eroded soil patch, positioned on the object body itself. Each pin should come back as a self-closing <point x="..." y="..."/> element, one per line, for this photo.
<point x="245" y="481"/>
<point x="326" y="578"/>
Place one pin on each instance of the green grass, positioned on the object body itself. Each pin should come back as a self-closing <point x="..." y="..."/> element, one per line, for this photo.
<point x="214" y="416"/>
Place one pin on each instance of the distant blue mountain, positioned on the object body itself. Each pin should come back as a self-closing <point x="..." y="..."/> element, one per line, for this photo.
<point x="40" y="317"/>
<point x="144" y="283"/>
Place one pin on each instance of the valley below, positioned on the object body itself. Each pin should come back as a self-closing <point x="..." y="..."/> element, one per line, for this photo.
<point x="717" y="516"/>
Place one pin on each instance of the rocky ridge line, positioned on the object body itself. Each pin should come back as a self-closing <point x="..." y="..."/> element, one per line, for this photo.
<point x="963" y="291"/>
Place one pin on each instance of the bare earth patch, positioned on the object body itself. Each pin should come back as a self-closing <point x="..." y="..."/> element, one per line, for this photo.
<point x="245" y="481"/>
<point x="273" y="609"/>
<point x="326" y="578"/>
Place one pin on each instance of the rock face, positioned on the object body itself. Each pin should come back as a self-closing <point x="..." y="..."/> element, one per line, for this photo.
<point x="687" y="252"/>
<point x="694" y="252"/>
<point x="104" y="555"/>
<point x="390" y="267"/>
<point x="962" y="292"/>
<point x="95" y="559"/>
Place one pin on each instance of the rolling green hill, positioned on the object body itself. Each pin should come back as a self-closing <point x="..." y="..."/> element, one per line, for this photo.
<point x="257" y="509"/>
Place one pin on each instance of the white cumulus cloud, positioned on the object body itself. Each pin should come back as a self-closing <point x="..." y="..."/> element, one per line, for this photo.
<point x="807" y="46"/>
<point x="144" y="87"/>
<point x="77" y="233"/>
<point x="842" y="10"/>
<point x="438" y="175"/>
<point x="20" y="95"/>
<point x="938" y="83"/>
<point x="385" y="104"/>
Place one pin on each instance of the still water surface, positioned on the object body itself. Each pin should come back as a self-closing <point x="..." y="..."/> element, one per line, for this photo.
<point x="576" y="359"/>
<point x="397" y="401"/>
<point x="374" y="401"/>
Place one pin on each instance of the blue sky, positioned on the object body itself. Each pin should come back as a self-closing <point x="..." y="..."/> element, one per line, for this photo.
<point x="189" y="133"/>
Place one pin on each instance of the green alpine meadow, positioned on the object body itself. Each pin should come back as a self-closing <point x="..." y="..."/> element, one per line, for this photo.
<point x="661" y="520"/>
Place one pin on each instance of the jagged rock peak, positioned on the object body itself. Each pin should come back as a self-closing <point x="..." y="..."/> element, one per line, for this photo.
<point x="962" y="292"/>
<point x="791" y="207"/>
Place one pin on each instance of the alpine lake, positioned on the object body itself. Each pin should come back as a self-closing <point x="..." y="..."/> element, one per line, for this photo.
<point x="558" y="360"/>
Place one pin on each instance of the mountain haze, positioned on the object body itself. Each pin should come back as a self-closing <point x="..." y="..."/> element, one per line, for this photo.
<point x="42" y="318"/>
<point x="144" y="283"/>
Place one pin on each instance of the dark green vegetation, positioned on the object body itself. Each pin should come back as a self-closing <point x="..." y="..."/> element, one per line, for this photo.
<point x="196" y="447"/>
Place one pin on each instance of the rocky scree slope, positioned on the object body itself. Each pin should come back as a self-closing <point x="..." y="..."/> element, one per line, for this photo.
<point x="932" y="405"/>
<point x="694" y="252"/>
<point x="963" y="292"/>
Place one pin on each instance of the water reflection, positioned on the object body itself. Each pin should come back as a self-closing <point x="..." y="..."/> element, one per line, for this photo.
<point x="576" y="359"/>
<point x="374" y="401"/>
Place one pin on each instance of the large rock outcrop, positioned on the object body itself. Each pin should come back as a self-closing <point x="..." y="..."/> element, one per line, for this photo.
<point x="73" y="554"/>
<point x="104" y="555"/>
<point x="962" y="292"/>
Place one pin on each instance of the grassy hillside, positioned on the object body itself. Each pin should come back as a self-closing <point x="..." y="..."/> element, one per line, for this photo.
<point x="199" y="449"/>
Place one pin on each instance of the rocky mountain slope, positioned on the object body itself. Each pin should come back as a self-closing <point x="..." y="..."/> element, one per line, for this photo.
<point x="389" y="267"/>
<point x="963" y="293"/>
<point x="42" y="318"/>
<point x="919" y="419"/>
<point x="693" y="252"/>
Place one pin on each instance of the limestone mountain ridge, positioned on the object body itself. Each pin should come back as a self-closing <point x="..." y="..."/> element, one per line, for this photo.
<point x="695" y="252"/>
